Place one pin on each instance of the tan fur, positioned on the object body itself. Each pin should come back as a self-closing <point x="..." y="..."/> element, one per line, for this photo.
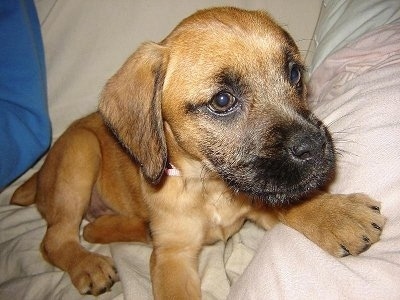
<point x="157" y="105"/>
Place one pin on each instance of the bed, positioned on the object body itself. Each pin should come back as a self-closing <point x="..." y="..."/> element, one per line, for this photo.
<point x="353" y="51"/>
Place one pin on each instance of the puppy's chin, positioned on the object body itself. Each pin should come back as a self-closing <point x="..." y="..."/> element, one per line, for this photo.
<point x="279" y="195"/>
<point x="280" y="181"/>
<point x="292" y="184"/>
<point x="285" y="195"/>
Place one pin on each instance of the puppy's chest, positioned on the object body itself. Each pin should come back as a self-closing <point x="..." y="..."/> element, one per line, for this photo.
<point x="224" y="217"/>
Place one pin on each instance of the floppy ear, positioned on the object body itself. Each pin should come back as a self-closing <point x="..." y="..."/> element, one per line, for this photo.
<point x="131" y="106"/>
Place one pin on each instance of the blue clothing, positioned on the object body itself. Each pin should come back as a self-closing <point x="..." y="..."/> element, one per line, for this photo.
<point x="25" y="131"/>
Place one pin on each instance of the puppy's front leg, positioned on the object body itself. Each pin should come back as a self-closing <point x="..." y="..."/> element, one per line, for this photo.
<point x="174" y="273"/>
<point x="339" y="224"/>
<point x="174" y="262"/>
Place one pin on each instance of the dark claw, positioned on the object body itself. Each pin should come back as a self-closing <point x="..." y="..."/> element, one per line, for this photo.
<point x="89" y="292"/>
<point x="376" y="226"/>
<point x="376" y="208"/>
<point x="366" y="247"/>
<point x="367" y="243"/>
<point x="366" y="239"/>
<point x="346" y="251"/>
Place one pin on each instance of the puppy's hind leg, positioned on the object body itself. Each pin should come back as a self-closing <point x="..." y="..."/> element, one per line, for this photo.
<point x="25" y="194"/>
<point x="116" y="228"/>
<point x="64" y="190"/>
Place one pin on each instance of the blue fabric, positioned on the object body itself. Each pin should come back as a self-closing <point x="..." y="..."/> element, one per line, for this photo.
<point x="25" y="131"/>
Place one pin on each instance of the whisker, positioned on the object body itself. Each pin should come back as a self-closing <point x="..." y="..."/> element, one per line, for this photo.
<point x="349" y="114"/>
<point x="342" y="137"/>
<point x="302" y="40"/>
<point x="310" y="51"/>
<point x="342" y="153"/>
<point x="347" y="131"/>
<point x="203" y="175"/>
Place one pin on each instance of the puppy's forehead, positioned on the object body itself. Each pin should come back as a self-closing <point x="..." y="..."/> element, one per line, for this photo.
<point x="228" y="20"/>
<point x="222" y="25"/>
<point x="228" y="38"/>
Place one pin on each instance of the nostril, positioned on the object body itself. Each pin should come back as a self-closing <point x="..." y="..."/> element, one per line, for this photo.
<point x="305" y="147"/>
<point x="302" y="151"/>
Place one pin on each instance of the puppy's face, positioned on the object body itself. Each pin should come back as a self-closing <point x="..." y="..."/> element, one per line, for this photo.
<point x="229" y="87"/>
<point x="234" y="98"/>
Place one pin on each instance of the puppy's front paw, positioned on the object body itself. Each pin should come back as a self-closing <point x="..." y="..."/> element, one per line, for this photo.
<point x="340" y="224"/>
<point x="353" y="224"/>
<point x="94" y="274"/>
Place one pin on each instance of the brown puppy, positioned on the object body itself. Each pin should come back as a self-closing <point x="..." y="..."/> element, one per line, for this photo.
<point x="223" y="100"/>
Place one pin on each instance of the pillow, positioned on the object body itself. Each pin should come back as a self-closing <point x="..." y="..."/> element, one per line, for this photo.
<point x="356" y="91"/>
<point x="342" y="21"/>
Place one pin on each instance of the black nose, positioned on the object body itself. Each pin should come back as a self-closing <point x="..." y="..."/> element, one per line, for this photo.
<point x="303" y="146"/>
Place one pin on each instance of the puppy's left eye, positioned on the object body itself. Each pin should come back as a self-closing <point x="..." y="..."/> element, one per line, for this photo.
<point x="294" y="73"/>
<point x="222" y="103"/>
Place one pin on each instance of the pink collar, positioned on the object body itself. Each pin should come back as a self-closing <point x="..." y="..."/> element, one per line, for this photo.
<point x="170" y="170"/>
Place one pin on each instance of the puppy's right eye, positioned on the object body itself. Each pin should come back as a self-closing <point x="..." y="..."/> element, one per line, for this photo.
<point x="222" y="103"/>
<point x="294" y="73"/>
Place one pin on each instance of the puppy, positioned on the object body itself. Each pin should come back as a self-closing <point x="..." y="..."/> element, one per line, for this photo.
<point x="194" y="136"/>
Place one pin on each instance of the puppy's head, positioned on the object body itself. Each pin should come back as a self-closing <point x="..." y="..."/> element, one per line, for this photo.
<point x="227" y="87"/>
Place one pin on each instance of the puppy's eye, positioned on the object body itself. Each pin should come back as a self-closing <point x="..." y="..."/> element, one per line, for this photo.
<point x="294" y="73"/>
<point x="222" y="103"/>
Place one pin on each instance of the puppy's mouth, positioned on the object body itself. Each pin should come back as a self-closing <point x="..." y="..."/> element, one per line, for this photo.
<point x="302" y="161"/>
<point x="289" y="185"/>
